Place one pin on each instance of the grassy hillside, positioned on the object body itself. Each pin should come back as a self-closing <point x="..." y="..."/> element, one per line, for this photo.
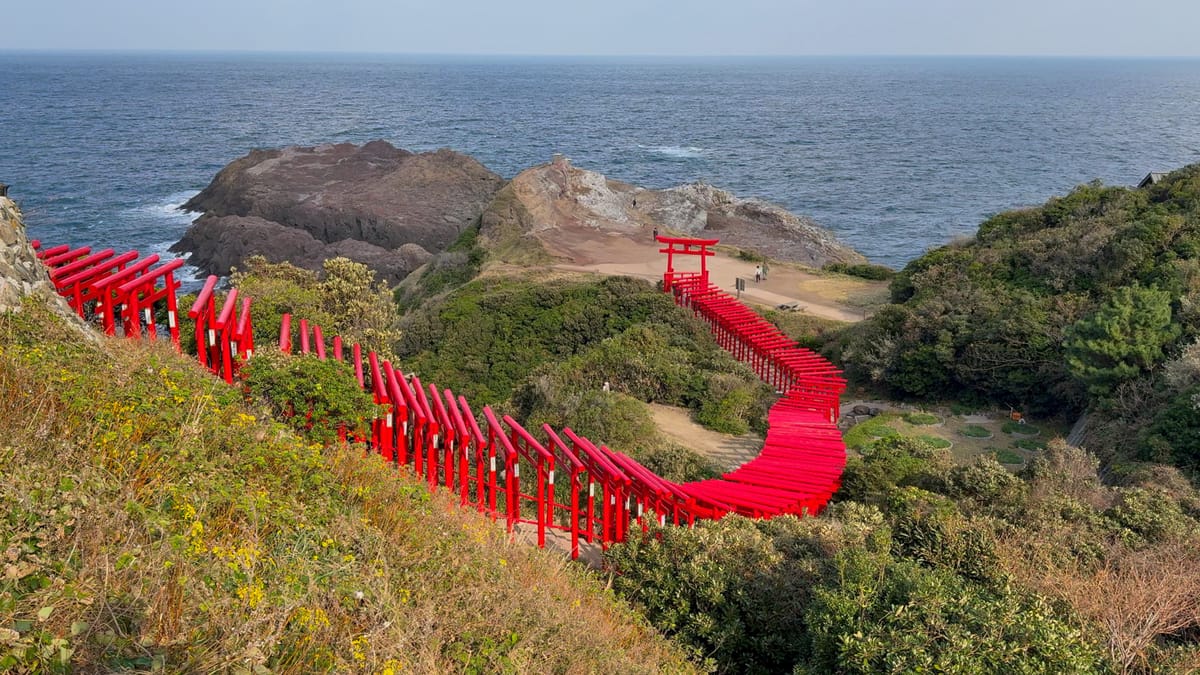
<point x="152" y="518"/>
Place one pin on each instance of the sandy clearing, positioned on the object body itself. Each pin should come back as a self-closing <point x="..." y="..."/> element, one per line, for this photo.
<point x="617" y="253"/>
<point x="726" y="450"/>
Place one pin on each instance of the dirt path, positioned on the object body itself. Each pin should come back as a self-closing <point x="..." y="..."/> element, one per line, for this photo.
<point x="615" y="253"/>
<point x="725" y="450"/>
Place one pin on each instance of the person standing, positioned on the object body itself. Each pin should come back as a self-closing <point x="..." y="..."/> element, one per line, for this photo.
<point x="757" y="273"/>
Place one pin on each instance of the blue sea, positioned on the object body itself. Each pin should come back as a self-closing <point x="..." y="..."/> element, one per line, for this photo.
<point x="895" y="155"/>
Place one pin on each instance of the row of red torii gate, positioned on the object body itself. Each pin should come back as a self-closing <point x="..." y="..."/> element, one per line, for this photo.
<point x="554" y="482"/>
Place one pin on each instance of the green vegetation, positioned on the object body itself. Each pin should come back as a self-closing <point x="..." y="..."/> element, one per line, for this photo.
<point x="1079" y="303"/>
<point x="1123" y="339"/>
<point x="314" y="397"/>
<point x="455" y="266"/>
<point x="1013" y="427"/>
<point x="923" y="565"/>
<point x="153" y="520"/>
<point x="1029" y="444"/>
<point x="345" y="300"/>
<point x="862" y="270"/>
<point x="921" y="418"/>
<point x="550" y="347"/>
<point x="975" y="431"/>
<point x="1006" y="456"/>
<point x="936" y="442"/>
<point x="863" y="434"/>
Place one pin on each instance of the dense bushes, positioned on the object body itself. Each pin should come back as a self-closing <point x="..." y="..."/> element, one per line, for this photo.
<point x="1072" y="305"/>
<point x="315" y="397"/>
<point x="552" y="346"/>
<point x="921" y="565"/>
<point x="862" y="270"/>
<point x="345" y="300"/>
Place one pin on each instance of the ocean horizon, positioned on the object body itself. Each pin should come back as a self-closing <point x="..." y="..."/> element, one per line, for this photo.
<point x="894" y="154"/>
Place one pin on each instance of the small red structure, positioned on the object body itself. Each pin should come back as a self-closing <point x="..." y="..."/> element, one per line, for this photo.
<point x="689" y="247"/>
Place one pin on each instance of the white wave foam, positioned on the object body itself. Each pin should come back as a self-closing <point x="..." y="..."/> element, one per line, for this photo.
<point x="677" y="151"/>
<point x="188" y="276"/>
<point x="166" y="209"/>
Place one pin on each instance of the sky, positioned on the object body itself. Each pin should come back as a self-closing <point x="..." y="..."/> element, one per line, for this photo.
<point x="613" y="27"/>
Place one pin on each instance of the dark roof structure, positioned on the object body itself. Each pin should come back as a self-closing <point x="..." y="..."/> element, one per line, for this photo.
<point x="1152" y="178"/>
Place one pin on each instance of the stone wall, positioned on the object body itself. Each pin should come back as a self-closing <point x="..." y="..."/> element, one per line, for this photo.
<point x="21" y="273"/>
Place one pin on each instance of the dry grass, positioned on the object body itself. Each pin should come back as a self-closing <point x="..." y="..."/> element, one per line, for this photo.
<point x="1135" y="599"/>
<point x="149" y="520"/>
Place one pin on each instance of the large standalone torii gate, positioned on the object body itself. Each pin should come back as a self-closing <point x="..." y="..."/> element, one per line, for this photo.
<point x="689" y="247"/>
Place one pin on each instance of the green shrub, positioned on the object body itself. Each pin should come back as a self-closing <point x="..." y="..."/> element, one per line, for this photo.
<point x="675" y="462"/>
<point x="862" y="270"/>
<point x="885" y="616"/>
<point x="921" y="418"/>
<point x="312" y="395"/>
<point x="1149" y="514"/>
<point x="888" y="463"/>
<point x="731" y="404"/>
<point x="985" y="480"/>
<point x="975" y="431"/>
<point x="1006" y="456"/>
<point x="345" y="300"/>
<point x="724" y="589"/>
<point x="936" y="441"/>
<point x="1029" y="444"/>
<point x="1014" y="427"/>
<point x="863" y="433"/>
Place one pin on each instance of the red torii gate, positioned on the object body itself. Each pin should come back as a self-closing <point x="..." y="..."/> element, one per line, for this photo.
<point x="686" y="246"/>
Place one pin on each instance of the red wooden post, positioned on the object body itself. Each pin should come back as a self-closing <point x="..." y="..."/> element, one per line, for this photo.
<point x="285" y="334"/>
<point x="485" y="459"/>
<point x="224" y="324"/>
<point x="319" y="340"/>
<point x="204" y="313"/>
<point x="304" y="344"/>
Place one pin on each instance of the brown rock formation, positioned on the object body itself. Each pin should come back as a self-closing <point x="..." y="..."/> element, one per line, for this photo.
<point x="558" y="197"/>
<point x="307" y="204"/>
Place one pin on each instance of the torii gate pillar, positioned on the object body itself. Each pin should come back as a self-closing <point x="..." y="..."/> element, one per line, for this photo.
<point x="685" y="246"/>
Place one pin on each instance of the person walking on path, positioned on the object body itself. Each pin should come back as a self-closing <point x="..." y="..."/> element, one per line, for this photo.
<point x="655" y="233"/>
<point x="757" y="273"/>
<point x="765" y="270"/>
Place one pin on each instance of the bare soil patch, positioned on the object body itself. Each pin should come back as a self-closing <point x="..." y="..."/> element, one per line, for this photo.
<point x="726" y="450"/>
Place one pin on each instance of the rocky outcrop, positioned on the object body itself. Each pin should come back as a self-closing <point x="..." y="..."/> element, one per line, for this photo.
<point x="753" y="224"/>
<point x="379" y="205"/>
<point x="543" y="202"/>
<point x="22" y="275"/>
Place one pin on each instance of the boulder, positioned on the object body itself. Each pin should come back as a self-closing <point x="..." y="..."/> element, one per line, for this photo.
<point x="305" y="204"/>
<point x="540" y="204"/>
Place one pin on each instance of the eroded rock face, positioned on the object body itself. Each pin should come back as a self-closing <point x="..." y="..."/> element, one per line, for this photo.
<point x="368" y="203"/>
<point x="559" y="196"/>
<point x="22" y="275"/>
